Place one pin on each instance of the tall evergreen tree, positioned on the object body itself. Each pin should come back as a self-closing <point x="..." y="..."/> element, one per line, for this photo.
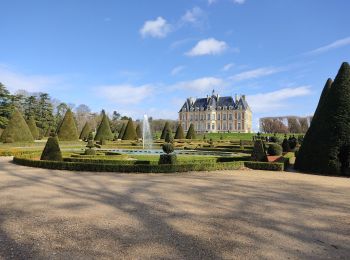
<point x="191" y="134"/>
<point x="85" y="132"/>
<point x="130" y="132"/>
<point x="179" y="132"/>
<point x="329" y="132"/>
<point x="122" y="131"/>
<point x="44" y="113"/>
<point x="17" y="129"/>
<point x="5" y="106"/>
<point x="104" y="130"/>
<point x="166" y="129"/>
<point x="138" y="131"/>
<point x="33" y="128"/>
<point x="67" y="130"/>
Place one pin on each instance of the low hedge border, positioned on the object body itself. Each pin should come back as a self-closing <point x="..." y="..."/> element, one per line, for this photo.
<point x="147" y="168"/>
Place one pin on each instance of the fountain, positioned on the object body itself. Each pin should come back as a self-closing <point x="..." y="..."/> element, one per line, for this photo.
<point x="147" y="139"/>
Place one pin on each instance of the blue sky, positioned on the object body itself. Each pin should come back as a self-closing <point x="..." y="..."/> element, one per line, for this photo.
<point x="141" y="57"/>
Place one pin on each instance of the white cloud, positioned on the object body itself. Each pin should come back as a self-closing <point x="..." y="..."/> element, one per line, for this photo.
<point x="177" y="70"/>
<point x="158" y="28"/>
<point x="208" y="46"/>
<point x="32" y="83"/>
<point x="211" y="2"/>
<point x="266" y="102"/>
<point x="256" y="73"/>
<point x="239" y="1"/>
<point x="228" y="66"/>
<point x="201" y="84"/>
<point x="125" y="94"/>
<point x="195" y="16"/>
<point x="334" y="45"/>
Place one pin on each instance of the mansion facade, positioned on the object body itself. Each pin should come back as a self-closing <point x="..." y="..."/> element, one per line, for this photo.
<point x="215" y="114"/>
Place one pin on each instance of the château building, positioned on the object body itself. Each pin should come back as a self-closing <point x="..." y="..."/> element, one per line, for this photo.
<point x="217" y="114"/>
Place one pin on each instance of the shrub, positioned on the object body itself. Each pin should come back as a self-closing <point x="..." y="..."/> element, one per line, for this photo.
<point x="52" y="151"/>
<point x="191" y="134"/>
<point x="122" y="131"/>
<point x="166" y="129"/>
<point x="138" y="131"/>
<point x="90" y="151"/>
<point x="285" y="145"/>
<point x="329" y="128"/>
<point x="67" y="130"/>
<point x="169" y="138"/>
<point x="273" y="139"/>
<point x="168" y="148"/>
<point x="274" y="149"/>
<point x="33" y="128"/>
<point x="167" y="159"/>
<point x="130" y="132"/>
<point x="179" y="132"/>
<point x="258" y="153"/>
<point x="104" y="130"/>
<point x="85" y="132"/>
<point x="17" y="129"/>
<point x="292" y="141"/>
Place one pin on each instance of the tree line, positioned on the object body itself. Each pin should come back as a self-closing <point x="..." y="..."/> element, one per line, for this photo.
<point x="287" y="124"/>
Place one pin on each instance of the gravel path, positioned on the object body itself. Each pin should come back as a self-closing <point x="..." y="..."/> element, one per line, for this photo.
<point x="49" y="214"/>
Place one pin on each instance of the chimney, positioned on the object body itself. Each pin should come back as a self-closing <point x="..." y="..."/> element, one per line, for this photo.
<point x="243" y="97"/>
<point x="236" y="98"/>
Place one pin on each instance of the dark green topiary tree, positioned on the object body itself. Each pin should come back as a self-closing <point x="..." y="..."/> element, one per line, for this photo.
<point x="104" y="130"/>
<point x="191" y="134"/>
<point x="138" y="131"/>
<point x="329" y="132"/>
<point x="259" y="153"/>
<point x="166" y="129"/>
<point x="274" y="149"/>
<point x="67" y="130"/>
<point x="16" y="130"/>
<point x="85" y="132"/>
<point x="179" y="132"/>
<point x="169" y="137"/>
<point x="168" y="157"/>
<point x="130" y="132"/>
<point x="90" y="145"/>
<point x="33" y="128"/>
<point x="285" y="145"/>
<point x="122" y="131"/>
<point x="52" y="151"/>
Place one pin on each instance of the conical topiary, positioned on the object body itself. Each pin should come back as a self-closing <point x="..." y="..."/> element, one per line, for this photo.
<point x="32" y="127"/>
<point x="130" y="132"/>
<point x="329" y="134"/>
<point x="139" y="131"/>
<point x="104" y="130"/>
<point x="122" y="131"/>
<point x="179" y="132"/>
<point x="85" y="132"/>
<point x="191" y="134"/>
<point x="166" y="128"/>
<point x="259" y="153"/>
<point x="17" y="129"/>
<point x="67" y="130"/>
<point x="169" y="137"/>
<point x="52" y="151"/>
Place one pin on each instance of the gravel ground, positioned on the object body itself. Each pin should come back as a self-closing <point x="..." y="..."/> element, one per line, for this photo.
<point x="49" y="214"/>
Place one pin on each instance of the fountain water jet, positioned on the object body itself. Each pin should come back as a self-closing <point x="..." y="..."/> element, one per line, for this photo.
<point x="147" y="139"/>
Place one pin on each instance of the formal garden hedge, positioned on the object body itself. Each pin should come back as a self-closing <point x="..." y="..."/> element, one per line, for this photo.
<point x="109" y="166"/>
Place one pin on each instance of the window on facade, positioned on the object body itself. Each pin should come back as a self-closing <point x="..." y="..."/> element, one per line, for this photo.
<point x="230" y="126"/>
<point x="213" y="117"/>
<point x="230" y="116"/>
<point x="218" y="116"/>
<point x="191" y="117"/>
<point x="208" y="126"/>
<point x="239" y="126"/>
<point x="224" y="117"/>
<point x="196" y="117"/>
<point x="213" y="126"/>
<point x="208" y="118"/>
<point x="239" y="116"/>
<point x="224" y="127"/>
<point x="219" y="127"/>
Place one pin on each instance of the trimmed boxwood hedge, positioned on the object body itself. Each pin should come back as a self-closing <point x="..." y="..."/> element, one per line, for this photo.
<point x="146" y="168"/>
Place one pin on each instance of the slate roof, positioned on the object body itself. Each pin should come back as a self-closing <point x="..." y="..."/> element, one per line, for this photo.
<point x="216" y="102"/>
